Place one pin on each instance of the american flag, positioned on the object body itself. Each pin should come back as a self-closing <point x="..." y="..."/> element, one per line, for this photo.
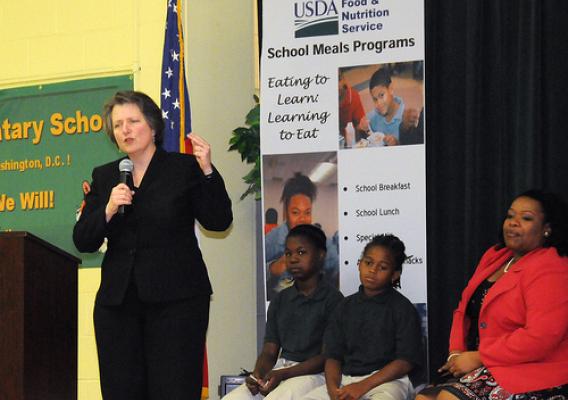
<point x="174" y="100"/>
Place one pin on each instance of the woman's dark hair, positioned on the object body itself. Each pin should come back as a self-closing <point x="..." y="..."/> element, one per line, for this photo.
<point x="298" y="184"/>
<point x="396" y="248"/>
<point x="310" y="232"/>
<point x="555" y="213"/>
<point x="147" y="106"/>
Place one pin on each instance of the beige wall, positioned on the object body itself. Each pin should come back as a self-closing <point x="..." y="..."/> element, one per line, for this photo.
<point x="60" y="40"/>
<point x="221" y="71"/>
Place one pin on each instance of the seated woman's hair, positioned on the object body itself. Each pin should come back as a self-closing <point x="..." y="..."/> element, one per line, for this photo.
<point x="312" y="233"/>
<point x="555" y="214"/>
<point x="396" y="248"/>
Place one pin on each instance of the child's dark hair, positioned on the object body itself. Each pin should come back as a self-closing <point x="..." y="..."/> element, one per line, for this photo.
<point x="396" y="248"/>
<point x="298" y="184"/>
<point x="312" y="233"/>
<point x="381" y="77"/>
<point x="271" y="216"/>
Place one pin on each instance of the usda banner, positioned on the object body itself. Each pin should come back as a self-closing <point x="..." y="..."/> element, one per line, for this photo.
<point x="342" y="124"/>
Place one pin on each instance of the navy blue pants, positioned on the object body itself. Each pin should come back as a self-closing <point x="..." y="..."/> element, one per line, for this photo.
<point x="151" y="351"/>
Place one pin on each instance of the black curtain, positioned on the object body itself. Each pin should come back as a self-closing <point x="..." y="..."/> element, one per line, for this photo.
<point x="496" y="107"/>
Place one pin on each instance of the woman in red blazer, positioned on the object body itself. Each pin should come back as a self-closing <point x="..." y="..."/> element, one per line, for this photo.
<point x="152" y="308"/>
<point x="509" y="335"/>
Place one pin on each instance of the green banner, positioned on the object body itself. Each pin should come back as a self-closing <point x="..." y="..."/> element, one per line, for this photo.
<point x="51" y="137"/>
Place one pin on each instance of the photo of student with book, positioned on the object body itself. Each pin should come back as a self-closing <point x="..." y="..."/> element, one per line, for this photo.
<point x="373" y="340"/>
<point x="291" y="362"/>
<point x="390" y="114"/>
<point x="381" y="105"/>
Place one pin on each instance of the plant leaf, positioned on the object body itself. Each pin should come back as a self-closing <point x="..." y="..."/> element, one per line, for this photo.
<point x="246" y="140"/>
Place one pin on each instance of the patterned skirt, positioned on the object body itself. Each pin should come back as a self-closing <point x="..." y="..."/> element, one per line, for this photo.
<point x="480" y="384"/>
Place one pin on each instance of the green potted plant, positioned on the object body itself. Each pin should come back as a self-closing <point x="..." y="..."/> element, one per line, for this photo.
<point x="246" y="140"/>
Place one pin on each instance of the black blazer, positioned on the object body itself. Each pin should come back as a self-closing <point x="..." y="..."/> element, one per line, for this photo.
<point x="154" y="241"/>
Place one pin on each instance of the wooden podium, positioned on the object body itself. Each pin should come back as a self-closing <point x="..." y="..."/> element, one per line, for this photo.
<point x="38" y="319"/>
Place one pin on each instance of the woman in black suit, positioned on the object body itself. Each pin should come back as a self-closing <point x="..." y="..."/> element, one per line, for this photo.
<point x="152" y="308"/>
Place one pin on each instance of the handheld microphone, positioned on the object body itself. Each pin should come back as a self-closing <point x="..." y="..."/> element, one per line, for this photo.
<point x="125" y="167"/>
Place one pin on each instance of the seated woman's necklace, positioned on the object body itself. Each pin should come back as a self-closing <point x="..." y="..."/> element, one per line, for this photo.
<point x="511" y="262"/>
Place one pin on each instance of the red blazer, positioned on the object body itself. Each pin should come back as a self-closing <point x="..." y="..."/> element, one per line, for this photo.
<point x="523" y="322"/>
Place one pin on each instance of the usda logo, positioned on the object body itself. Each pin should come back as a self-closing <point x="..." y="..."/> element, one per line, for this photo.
<point x="315" y="18"/>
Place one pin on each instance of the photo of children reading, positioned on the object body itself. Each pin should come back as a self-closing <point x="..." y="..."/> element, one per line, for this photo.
<point x="381" y="105"/>
<point x="304" y="187"/>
